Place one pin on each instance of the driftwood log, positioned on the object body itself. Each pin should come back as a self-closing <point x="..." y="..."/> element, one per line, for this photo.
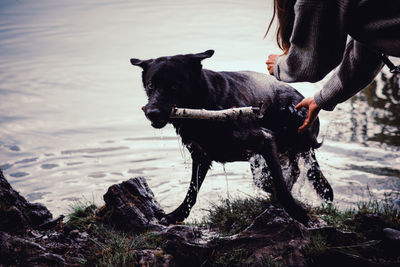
<point x="219" y="115"/>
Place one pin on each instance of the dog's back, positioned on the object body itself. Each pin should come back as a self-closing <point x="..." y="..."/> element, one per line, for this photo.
<point x="280" y="114"/>
<point x="223" y="90"/>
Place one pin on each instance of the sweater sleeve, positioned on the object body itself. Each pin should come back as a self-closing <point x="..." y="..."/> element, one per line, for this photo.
<point x="317" y="41"/>
<point x="358" y="68"/>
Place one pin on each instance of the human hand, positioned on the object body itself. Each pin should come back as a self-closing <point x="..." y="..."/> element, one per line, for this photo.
<point x="271" y="62"/>
<point x="312" y="114"/>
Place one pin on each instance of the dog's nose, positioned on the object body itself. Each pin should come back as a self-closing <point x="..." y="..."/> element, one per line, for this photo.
<point x="153" y="114"/>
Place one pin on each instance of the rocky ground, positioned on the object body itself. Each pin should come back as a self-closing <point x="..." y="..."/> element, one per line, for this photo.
<point x="127" y="231"/>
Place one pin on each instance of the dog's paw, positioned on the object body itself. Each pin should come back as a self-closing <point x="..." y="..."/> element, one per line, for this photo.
<point x="164" y="221"/>
<point x="172" y="218"/>
<point x="304" y="218"/>
<point x="298" y="212"/>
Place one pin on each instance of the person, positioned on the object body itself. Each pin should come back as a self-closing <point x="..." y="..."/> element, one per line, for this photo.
<point x="317" y="36"/>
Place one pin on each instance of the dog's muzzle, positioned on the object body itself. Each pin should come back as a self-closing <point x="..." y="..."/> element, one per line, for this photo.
<point x="156" y="117"/>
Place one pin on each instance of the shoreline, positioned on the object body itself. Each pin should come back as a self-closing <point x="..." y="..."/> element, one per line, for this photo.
<point x="126" y="231"/>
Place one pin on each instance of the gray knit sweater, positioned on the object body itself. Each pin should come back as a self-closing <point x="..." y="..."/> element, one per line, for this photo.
<point x="318" y="45"/>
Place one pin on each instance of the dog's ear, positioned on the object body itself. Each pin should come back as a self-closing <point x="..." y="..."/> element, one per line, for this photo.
<point x="138" y="62"/>
<point x="204" y="55"/>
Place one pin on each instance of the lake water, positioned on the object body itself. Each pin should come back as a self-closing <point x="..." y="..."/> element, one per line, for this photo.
<point x="70" y="103"/>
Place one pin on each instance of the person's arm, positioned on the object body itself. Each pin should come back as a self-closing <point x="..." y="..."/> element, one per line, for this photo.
<point x="358" y="68"/>
<point x="317" y="42"/>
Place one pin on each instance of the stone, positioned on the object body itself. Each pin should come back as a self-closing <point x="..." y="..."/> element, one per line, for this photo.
<point x="131" y="206"/>
<point x="16" y="213"/>
<point x="274" y="238"/>
<point x="396" y="204"/>
<point x="22" y="252"/>
<point x="272" y="232"/>
<point x="335" y="237"/>
<point x="371" y="225"/>
<point x="148" y="257"/>
<point x="392" y="235"/>
<point x="335" y="257"/>
<point x="187" y="246"/>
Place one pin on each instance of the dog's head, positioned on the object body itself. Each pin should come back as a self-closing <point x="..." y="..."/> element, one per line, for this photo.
<point x="170" y="81"/>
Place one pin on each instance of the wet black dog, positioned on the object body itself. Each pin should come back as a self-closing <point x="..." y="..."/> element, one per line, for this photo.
<point x="180" y="80"/>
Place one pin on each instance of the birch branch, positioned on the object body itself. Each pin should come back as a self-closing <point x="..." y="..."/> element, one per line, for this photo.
<point x="219" y="115"/>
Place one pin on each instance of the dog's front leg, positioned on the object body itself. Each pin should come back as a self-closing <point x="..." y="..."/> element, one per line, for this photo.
<point x="200" y="167"/>
<point x="281" y="193"/>
<point x="315" y="175"/>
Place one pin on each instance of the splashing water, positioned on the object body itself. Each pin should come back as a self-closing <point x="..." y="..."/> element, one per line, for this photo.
<point x="292" y="167"/>
<point x="261" y="175"/>
<point x="228" y="195"/>
<point x="293" y="170"/>
<point x="182" y="149"/>
<point x="197" y="179"/>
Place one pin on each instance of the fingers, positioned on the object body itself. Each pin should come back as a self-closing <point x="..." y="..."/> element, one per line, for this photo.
<point x="270" y="69"/>
<point x="301" y="104"/>
<point x="312" y="114"/>
<point x="304" y="127"/>
<point x="271" y="62"/>
<point x="271" y="59"/>
<point x="308" y="122"/>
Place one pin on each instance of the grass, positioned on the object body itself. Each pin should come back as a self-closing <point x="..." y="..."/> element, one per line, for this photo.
<point x="116" y="248"/>
<point x="317" y="247"/>
<point x="384" y="207"/>
<point x="236" y="258"/>
<point x="334" y="217"/>
<point x="82" y="215"/>
<point x="267" y="261"/>
<point x="350" y="219"/>
<point x="231" y="216"/>
<point x="367" y="221"/>
<point x="110" y="247"/>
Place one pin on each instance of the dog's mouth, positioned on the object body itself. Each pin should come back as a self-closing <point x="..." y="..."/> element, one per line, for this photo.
<point x="159" y="124"/>
<point x="156" y="117"/>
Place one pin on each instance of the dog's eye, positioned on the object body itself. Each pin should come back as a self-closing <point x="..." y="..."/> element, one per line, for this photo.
<point x="150" y="85"/>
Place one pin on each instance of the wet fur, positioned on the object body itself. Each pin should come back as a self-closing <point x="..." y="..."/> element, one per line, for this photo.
<point x="180" y="80"/>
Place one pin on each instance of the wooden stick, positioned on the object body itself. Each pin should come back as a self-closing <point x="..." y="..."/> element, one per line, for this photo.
<point x="219" y="115"/>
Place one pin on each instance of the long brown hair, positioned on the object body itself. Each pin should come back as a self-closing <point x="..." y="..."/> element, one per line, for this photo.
<point x="284" y="10"/>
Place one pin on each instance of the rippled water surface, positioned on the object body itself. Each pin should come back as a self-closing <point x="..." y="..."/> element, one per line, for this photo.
<point x="70" y="117"/>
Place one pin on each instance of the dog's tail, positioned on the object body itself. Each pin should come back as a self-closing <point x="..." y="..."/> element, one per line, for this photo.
<point x="315" y="144"/>
<point x="314" y="134"/>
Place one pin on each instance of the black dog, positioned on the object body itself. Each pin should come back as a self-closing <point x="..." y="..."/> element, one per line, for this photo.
<point x="180" y="80"/>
